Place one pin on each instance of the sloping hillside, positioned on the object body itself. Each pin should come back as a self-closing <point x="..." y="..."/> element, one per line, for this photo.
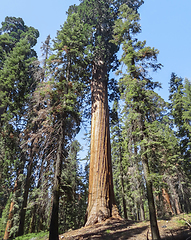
<point x="174" y="228"/>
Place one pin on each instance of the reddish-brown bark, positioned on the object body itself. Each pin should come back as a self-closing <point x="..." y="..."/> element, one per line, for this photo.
<point x="167" y="202"/>
<point x="101" y="201"/>
<point x="10" y="222"/>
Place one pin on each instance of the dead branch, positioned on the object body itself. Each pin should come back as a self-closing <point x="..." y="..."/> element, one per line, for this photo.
<point x="188" y="223"/>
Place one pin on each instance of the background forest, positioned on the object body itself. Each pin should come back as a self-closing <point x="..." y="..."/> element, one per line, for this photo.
<point x="45" y="100"/>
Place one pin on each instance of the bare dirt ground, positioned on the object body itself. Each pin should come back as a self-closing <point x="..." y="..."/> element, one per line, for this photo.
<point x="115" y="229"/>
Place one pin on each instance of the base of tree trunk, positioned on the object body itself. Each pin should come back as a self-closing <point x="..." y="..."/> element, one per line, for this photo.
<point x="101" y="215"/>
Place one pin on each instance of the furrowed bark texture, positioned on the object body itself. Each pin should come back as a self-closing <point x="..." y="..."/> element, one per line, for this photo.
<point x="101" y="201"/>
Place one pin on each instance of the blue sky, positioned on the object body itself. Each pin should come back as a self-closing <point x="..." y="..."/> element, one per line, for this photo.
<point x="166" y="25"/>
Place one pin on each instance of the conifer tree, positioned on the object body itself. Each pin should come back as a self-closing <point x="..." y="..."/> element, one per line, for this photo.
<point x="13" y="31"/>
<point x="73" y="191"/>
<point x="117" y="155"/>
<point x="68" y="69"/>
<point x="31" y="130"/>
<point x="16" y="84"/>
<point x="100" y="16"/>
<point x="187" y="123"/>
<point x="179" y="109"/>
<point x="138" y="91"/>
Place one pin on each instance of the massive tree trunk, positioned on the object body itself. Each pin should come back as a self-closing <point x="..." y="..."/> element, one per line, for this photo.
<point x="101" y="201"/>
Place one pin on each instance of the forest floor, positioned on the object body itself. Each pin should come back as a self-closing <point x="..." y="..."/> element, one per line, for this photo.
<point x="114" y="229"/>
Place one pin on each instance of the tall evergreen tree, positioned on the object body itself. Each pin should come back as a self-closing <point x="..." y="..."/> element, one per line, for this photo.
<point x="138" y="92"/>
<point x="68" y="66"/>
<point x="179" y="111"/>
<point x="17" y="84"/>
<point x="14" y="30"/>
<point x="117" y="155"/>
<point x="187" y="124"/>
<point x="100" y="16"/>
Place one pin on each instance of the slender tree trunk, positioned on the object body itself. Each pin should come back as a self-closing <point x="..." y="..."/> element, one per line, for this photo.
<point x="101" y="201"/>
<point x="10" y="217"/>
<point x="137" y="211"/>
<point x="1" y="112"/>
<point x="152" y="211"/>
<point x="183" y="202"/>
<point x="25" y="196"/>
<point x="122" y="185"/>
<point x="144" y="157"/>
<point x="142" y="211"/>
<point x="177" y="205"/>
<point x="9" y="222"/>
<point x="33" y="218"/>
<point x="53" y="231"/>
<point x="16" y="187"/>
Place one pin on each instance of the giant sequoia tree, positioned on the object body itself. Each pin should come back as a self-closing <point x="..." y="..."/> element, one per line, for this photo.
<point x="100" y="15"/>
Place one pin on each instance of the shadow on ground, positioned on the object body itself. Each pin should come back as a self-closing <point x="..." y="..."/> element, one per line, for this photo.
<point x="109" y="230"/>
<point x="182" y="234"/>
<point x="118" y="229"/>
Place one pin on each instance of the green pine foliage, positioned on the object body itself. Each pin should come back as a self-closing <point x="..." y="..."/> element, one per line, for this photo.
<point x="73" y="191"/>
<point x="16" y="84"/>
<point x="187" y="123"/>
<point x="179" y="109"/>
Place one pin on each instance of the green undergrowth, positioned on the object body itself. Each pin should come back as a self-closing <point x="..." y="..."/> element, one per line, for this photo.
<point x="184" y="219"/>
<point x="33" y="236"/>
